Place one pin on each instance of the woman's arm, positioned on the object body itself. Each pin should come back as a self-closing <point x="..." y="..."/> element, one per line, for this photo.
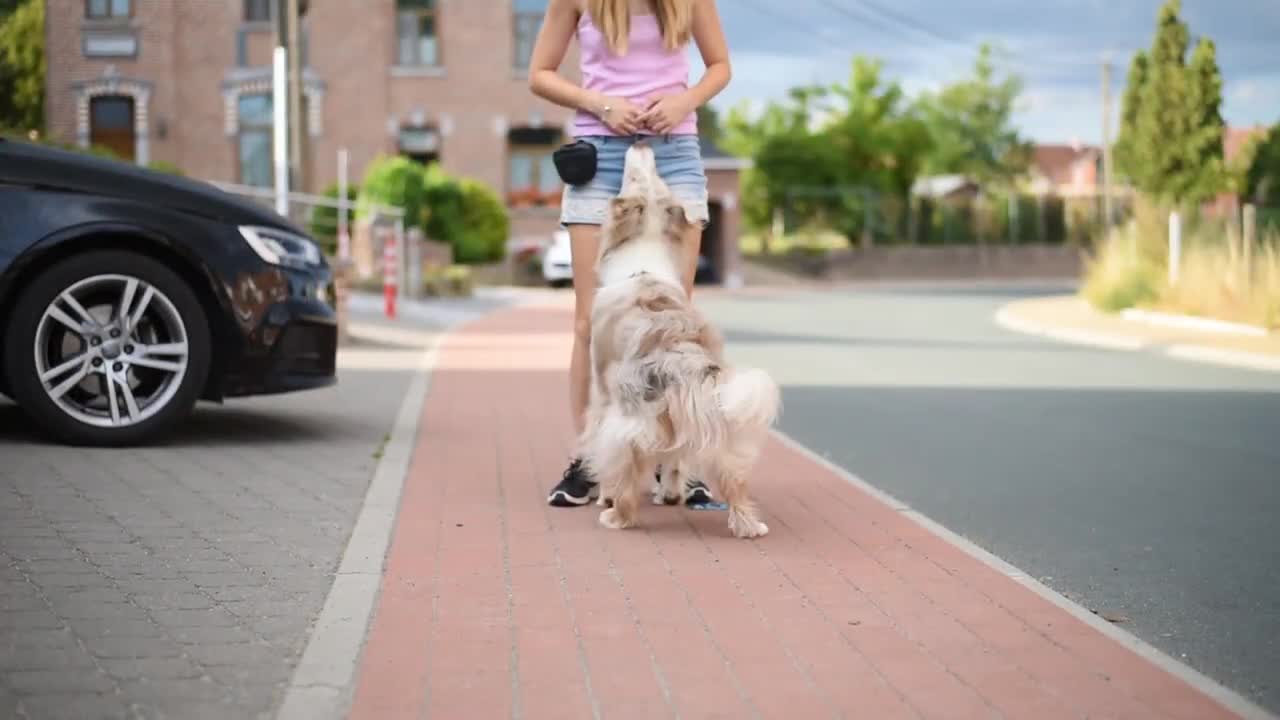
<point x="709" y="35"/>
<point x="545" y="81"/>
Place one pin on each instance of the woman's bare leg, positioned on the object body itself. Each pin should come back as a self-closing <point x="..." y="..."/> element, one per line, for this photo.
<point x="584" y="241"/>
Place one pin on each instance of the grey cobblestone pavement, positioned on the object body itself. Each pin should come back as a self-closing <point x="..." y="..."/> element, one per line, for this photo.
<point x="181" y="581"/>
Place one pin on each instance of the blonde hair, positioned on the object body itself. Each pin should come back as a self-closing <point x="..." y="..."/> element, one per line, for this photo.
<point x="613" y="17"/>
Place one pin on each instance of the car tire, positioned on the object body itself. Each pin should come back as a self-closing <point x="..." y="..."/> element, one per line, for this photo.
<point x="148" y="364"/>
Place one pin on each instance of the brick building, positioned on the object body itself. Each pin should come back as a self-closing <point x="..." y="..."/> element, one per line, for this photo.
<point x="189" y="83"/>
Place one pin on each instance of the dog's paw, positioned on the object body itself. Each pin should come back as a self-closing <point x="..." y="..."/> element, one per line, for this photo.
<point x="613" y="519"/>
<point x="605" y="502"/>
<point x="744" y="527"/>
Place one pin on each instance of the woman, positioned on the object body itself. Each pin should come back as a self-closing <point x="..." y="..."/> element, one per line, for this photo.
<point x="635" y="82"/>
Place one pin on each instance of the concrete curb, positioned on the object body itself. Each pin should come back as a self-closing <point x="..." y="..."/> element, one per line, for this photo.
<point x="1011" y="321"/>
<point x="323" y="680"/>
<point x="1192" y="352"/>
<point x="1226" y="697"/>
<point x="1192" y="322"/>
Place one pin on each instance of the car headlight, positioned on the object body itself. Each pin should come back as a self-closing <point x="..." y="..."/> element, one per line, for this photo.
<point x="281" y="247"/>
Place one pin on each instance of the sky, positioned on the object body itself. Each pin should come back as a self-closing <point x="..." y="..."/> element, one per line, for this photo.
<point x="1056" y="46"/>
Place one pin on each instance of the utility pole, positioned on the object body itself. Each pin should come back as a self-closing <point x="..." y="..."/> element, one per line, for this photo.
<point x="280" y="112"/>
<point x="1107" y="216"/>
<point x="296" y="117"/>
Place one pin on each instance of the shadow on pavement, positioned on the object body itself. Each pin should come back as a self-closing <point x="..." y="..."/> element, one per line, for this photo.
<point x="305" y="417"/>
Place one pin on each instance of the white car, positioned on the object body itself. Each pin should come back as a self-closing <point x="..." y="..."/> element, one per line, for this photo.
<point x="557" y="265"/>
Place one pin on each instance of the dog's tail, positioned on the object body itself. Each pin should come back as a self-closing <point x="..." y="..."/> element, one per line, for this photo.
<point x="709" y="402"/>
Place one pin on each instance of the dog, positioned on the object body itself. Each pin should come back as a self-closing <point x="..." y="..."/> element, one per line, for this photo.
<point x="661" y="391"/>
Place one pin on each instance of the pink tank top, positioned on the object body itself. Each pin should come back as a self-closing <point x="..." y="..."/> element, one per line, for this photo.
<point x="645" y="73"/>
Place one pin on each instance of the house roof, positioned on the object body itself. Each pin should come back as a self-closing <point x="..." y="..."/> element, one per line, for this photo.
<point x="1055" y="162"/>
<point x="715" y="158"/>
<point x="1234" y="139"/>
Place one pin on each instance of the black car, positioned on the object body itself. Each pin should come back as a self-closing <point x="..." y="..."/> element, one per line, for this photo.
<point x="126" y="295"/>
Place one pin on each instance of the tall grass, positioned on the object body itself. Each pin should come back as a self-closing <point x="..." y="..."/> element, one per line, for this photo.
<point x="1214" y="279"/>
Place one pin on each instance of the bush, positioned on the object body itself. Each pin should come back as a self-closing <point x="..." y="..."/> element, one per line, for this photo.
<point x="167" y="168"/>
<point x="395" y="182"/>
<point x="453" y="281"/>
<point x="443" y="198"/>
<point x="1120" y="276"/>
<point x="324" y="220"/>
<point x="485" y="226"/>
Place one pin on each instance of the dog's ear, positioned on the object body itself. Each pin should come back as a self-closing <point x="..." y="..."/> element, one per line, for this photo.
<point x="677" y="221"/>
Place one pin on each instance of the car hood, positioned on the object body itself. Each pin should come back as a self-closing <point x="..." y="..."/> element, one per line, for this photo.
<point x="23" y="163"/>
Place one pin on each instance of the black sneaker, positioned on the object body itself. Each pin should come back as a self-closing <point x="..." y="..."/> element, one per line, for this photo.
<point x="576" y="487"/>
<point x="696" y="492"/>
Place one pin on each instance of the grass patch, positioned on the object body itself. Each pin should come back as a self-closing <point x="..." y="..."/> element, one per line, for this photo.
<point x="809" y="242"/>
<point x="1131" y="270"/>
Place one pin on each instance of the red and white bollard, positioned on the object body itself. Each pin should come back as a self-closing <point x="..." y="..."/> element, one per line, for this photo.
<point x="390" y="275"/>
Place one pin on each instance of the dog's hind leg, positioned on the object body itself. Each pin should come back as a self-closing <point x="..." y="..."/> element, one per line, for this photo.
<point x="629" y="474"/>
<point x="730" y="471"/>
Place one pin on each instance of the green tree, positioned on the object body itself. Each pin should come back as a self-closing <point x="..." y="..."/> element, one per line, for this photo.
<point x="22" y="66"/>
<point x="1172" y="143"/>
<point x="1262" y="178"/>
<point x="971" y="125"/>
<point x="1127" y="162"/>
<point x="709" y="123"/>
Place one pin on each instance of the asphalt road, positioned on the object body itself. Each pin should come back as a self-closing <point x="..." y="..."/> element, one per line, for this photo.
<point x="1142" y="487"/>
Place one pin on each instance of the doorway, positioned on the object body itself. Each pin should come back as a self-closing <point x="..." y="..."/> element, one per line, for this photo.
<point x="111" y="125"/>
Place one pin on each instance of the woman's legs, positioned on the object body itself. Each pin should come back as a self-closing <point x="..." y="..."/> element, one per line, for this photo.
<point x="585" y="243"/>
<point x="577" y="487"/>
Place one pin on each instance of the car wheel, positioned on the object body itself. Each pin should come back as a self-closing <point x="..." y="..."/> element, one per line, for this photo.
<point x="107" y="348"/>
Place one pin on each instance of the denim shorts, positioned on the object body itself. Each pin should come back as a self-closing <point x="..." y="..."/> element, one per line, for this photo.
<point x="679" y="159"/>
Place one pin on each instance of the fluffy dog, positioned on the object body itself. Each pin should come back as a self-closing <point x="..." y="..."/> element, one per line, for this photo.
<point x="661" y="392"/>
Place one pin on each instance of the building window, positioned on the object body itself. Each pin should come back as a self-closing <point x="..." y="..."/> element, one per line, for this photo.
<point x="532" y="179"/>
<point x="420" y="144"/>
<point x="417" y="33"/>
<point x="258" y="11"/>
<point x="108" y="9"/>
<point x="526" y="21"/>
<point x="111" y="125"/>
<point x="254" y="140"/>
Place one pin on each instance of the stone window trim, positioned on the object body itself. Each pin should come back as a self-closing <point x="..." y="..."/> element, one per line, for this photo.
<point x="258" y="82"/>
<point x="112" y="84"/>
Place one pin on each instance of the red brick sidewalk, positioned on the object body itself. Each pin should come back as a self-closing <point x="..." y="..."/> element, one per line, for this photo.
<point x="495" y="605"/>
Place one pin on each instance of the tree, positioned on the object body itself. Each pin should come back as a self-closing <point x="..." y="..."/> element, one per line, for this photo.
<point x="22" y="66"/>
<point x="1262" y="178"/>
<point x="1125" y="154"/>
<point x="1172" y="142"/>
<point x="709" y="124"/>
<point x="971" y="125"/>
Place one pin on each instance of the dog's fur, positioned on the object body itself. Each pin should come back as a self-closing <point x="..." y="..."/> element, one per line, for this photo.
<point x="661" y="393"/>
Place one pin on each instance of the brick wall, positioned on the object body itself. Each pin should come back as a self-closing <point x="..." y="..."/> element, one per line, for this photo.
<point x="188" y="50"/>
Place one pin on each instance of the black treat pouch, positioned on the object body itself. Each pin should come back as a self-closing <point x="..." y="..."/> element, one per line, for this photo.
<point x="575" y="162"/>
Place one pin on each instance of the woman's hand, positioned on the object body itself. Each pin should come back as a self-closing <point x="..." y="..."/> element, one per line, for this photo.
<point x="621" y="115"/>
<point x="666" y="113"/>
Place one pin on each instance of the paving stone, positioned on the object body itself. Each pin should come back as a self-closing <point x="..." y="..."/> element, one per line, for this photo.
<point x="46" y="682"/>
<point x="128" y="546"/>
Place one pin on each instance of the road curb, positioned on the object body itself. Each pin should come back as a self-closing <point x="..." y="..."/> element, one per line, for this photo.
<point x="1192" y="322"/>
<point x="1009" y="320"/>
<point x="1191" y="352"/>
<point x="323" y="680"/>
<point x="1221" y="694"/>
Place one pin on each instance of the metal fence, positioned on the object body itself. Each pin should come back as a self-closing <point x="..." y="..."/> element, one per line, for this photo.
<point x="336" y="225"/>
<point x="870" y="217"/>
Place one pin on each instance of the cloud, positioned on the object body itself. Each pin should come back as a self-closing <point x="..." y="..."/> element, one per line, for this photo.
<point x="1055" y="45"/>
